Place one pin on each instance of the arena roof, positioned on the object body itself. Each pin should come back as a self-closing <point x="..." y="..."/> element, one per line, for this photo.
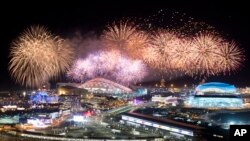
<point x="101" y="85"/>
<point x="215" y="87"/>
<point x="164" y="120"/>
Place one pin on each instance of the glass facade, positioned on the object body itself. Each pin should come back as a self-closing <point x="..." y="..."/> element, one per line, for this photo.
<point x="214" y="102"/>
<point x="215" y="95"/>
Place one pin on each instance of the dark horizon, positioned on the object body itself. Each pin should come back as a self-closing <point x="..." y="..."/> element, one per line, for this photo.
<point x="231" y="19"/>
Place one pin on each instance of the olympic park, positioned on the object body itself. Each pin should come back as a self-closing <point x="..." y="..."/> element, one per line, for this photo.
<point x="101" y="109"/>
<point x="215" y="95"/>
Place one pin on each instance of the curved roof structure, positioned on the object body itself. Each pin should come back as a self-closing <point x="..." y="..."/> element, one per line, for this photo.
<point x="216" y="87"/>
<point x="101" y="85"/>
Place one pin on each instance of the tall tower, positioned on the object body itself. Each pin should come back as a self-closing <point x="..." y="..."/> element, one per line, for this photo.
<point x="162" y="83"/>
<point x="203" y="81"/>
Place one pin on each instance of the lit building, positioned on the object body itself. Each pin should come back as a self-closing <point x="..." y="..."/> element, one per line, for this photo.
<point x="72" y="102"/>
<point x="215" y="87"/>
<point x="245" y="90"/>
<point x="165" y="99"/>
<point x="162" y="124"/>
<point x="71" y="96"/>
<point x="162" y="83"/>
<point x="43" y="97"/>
<point x="47" y="118"/>
<point x="215" y="95"/>
<point x="70" y="90"/>
<point x="104" y="86"/>
<point x="5" y="119"/>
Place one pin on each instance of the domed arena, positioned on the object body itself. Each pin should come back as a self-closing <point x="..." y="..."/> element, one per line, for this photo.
<point x="216" y="87"/>
<point x="105" y="86"/>
<point x="215" y="95"/>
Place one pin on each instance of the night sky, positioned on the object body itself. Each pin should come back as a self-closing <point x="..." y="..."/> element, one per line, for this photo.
<point x="232" y="19"/>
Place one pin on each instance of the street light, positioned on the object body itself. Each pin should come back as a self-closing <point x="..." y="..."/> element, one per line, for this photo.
<point x="24" y="94"/>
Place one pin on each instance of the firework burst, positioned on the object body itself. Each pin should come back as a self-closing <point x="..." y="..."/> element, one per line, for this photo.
<point x="108" y="64"/>
<point x="127" y="37"/>
<point x="204" y="57"/>
<point x="181" y="55"/>
<point x="159" y="54"/>
<point x="230" y="57"/>
<point x="37" y="56"/>
<point x="118" y="34"/>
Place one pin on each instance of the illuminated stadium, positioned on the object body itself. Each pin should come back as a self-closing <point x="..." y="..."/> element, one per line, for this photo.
<point x="215" y="95"/>
<point x="104" y="86"/>
<point x="215" y="87"/>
